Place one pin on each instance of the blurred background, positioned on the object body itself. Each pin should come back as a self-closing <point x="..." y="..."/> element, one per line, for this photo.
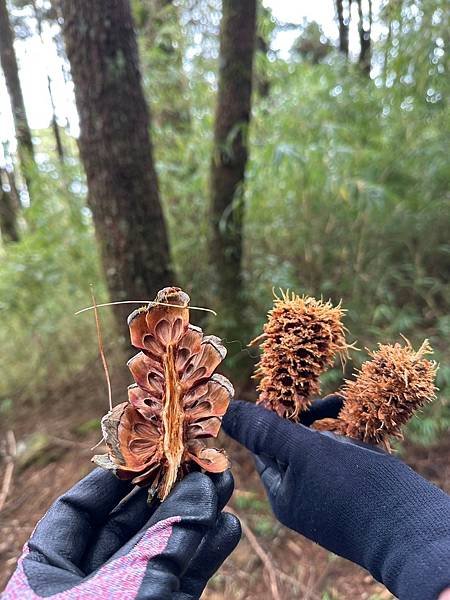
<point x="232" y="148"/>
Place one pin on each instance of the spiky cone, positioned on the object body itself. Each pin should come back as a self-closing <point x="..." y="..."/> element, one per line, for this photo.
<point x="158" y="435"/>
<point x="301" y="339"/>
<point x="386" y="392"/>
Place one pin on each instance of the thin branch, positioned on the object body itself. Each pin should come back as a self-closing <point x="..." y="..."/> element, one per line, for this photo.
<point x="65" y="443"/>
<point x="9" y="470"/>
<point x="263" y="556"/>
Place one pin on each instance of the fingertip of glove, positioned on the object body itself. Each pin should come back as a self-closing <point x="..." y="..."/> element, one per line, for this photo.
<point x="239" y="413"/>
<point x="328" y="407"/>
<point x="260" y="430"/>
<point x="232" y="526"/>
<point x="193" y="500"/>
<point x="96" y="494"/>
<point x="224" y="483"/>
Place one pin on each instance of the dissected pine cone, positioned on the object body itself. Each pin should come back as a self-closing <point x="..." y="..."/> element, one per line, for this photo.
<point x="156" y="437"/>
<point x="301" y="339"/>
<point x="387" y="391"/>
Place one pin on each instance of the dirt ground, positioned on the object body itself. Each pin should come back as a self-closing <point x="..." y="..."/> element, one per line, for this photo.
<point x="272" y="560"/>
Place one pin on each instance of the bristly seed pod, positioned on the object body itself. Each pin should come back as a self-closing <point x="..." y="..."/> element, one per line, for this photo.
<point x="387" y="391"/>
<point x="157" y="436"/>
<point x="301" y="339"/>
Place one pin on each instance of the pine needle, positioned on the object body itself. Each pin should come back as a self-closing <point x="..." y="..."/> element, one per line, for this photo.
<point x="150" y="302"/>
<point x="101" y="351"/>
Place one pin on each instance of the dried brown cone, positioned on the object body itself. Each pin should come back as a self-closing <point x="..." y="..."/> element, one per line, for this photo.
<point x="301" y="339"/>
<point x="387" y="391"/>
<point x="327" y="424"/>
<point x="157" y="436"/>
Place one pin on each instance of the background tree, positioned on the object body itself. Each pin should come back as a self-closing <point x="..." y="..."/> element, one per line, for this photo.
<point x="343" y="8"/>
<point x="365" y="17"/>
<point x="116" y="150"/>
<point x="265" y="26"/>
<point x="9" y="209"/>
<point x="365" y="33"/>
<point x="237" y="46"/>
<point x="40" y="15"/>
<point x="312" y="45"/>
<point x="11" y="72"/>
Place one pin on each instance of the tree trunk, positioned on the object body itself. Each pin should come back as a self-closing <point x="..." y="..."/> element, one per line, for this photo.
<point x="343" y="23"/>
<point x="9" y="208"/>
<point x="116" y="150"/>
<point x="364" y="37"/>
<point x="237" y="46"/>
<point x="55" y="126"/>
<point x="11" y="72"/>
<point x="262" y="81"/>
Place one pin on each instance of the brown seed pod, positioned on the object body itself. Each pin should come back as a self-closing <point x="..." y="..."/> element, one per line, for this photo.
<point x="300" y="341"/>
<point x="387" y="391"/>
<point x="157" y="436"/>
<point x="327" y="424"/>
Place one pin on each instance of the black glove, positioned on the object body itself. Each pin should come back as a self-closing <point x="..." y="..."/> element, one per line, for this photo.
<point x="351" y="498"/>
<point x="91" y="546"/>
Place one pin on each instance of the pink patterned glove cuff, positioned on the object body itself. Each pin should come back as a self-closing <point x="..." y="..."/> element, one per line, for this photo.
<point x="119" y="579"/>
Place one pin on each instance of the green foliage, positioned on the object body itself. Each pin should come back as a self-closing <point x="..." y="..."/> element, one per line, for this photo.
<point x="87" y="427"/>
<point x="44" y="279"/>
<point x="346" y="197"/>
<point x="251" y="502"/>
<point x="337" y="205"/>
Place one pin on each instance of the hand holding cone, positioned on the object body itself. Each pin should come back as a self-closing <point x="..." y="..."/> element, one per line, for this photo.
<point x="302" y="338"/>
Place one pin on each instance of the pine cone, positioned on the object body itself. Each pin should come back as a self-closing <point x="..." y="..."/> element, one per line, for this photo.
<point x="386" y="392"/>
<point x="156" y="437"/>
<point x="301" y="339"/>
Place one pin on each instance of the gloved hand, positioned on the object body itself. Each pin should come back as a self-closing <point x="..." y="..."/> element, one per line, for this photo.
<point x="351" y="498"/>
<point x="91" y="546"/>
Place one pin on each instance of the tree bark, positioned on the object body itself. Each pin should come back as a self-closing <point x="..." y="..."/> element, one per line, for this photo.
<point x="343" y="24"/>
<point x="9" y="208"/>
<point x="55" y="127"/>
<point x="364" y="37"/>
<point x="262" y="46"/>
<point x="116" y="149"/>
<point x="11" y="72"/>
<point x="237" y="47"/>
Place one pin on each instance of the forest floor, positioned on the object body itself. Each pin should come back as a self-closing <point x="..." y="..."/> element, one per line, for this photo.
<point x="54" y="449"/>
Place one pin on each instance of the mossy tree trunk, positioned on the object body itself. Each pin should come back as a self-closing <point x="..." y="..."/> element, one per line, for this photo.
<point x="116" y="149"/>
<point x="237" y="48"/>
<point x="10" y="69"/>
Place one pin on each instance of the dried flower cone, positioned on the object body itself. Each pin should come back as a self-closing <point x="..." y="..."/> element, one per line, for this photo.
<point x="301" y="339"/>
<point x="157" y="436"/>
<point x="388" y="389"/>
